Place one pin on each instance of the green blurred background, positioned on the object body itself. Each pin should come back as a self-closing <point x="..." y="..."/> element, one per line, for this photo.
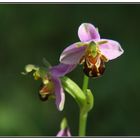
<point x="30" y="32"/>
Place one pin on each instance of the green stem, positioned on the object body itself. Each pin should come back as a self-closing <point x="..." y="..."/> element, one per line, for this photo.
<point x="83" y="115"/>
<point x="85" y="84"/>
<point x="82" y="123"/>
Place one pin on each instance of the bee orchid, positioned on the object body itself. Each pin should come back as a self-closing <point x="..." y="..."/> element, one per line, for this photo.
<point x="51" y="83"/>
<point x="92" y="51"/>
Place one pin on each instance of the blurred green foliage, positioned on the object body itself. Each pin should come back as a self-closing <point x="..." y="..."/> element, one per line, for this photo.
<point x="29" y="32"/>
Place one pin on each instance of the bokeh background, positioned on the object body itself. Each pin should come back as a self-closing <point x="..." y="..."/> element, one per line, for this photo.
<point x="29" y="32"/>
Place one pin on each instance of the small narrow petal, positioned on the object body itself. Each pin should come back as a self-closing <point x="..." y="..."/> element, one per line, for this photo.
<point x="64" y="133"/>
<point x="112" y="49"/>
<point x="72" y="54"/>
<point x="87" y="32"/>
<point x="61" y="69"/>
<point x="59" y="93"/>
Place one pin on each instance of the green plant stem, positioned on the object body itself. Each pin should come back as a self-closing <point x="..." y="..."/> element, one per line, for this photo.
<point x="83" y="115"/>
<point x="82" y="123"/>
<point x="85" y="83"/>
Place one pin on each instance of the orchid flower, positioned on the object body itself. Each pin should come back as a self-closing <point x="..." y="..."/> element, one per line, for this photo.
<point x="64" y="130"/>
<point x="92" y="51"/>
<point x="64" y="133"/>
<point x="51" y="83"/>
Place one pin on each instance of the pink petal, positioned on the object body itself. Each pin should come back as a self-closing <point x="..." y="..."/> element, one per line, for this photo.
<point x="112" y="49"/>
<point x="88" y="32"/>
<point x="72" y="54"/>
<point x="59" y="93"/>
<point x="61" y="69"/>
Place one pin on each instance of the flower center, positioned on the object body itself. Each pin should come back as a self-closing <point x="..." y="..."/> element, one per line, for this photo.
<point x="93" y="61"/>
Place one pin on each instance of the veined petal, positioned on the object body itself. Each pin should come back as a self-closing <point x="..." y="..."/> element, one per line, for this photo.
<point x="87" y="32"/>
<point x="112" y="49"/>
<point x="72" y="54"/>
<point x="59" y="93"/>
<point x="61" y="69"/>
<point x="64" y="133"/>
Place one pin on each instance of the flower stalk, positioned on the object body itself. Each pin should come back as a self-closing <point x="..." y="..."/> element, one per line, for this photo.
<point x="85" y="83"/>
<point x="82" y="123"/>
<point x="83" y="115"/>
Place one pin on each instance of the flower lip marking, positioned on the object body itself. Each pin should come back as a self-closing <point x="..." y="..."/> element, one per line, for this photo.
<point x="43" y="93"/>
<point x="47" y="89"/>
<point x="93" y="69"/>
<point x="93" y="61"/>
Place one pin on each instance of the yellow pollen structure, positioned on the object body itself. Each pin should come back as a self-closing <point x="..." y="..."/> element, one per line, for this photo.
<point x="45" y="81"/>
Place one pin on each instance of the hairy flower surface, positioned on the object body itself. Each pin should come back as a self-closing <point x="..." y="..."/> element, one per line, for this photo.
<point x="92" y="51"/>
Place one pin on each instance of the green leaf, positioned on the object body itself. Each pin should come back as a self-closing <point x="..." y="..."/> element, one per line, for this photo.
<point x="90" y="99"/>
<point x="74" y="90"/>
<point x="89" y="102"/>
